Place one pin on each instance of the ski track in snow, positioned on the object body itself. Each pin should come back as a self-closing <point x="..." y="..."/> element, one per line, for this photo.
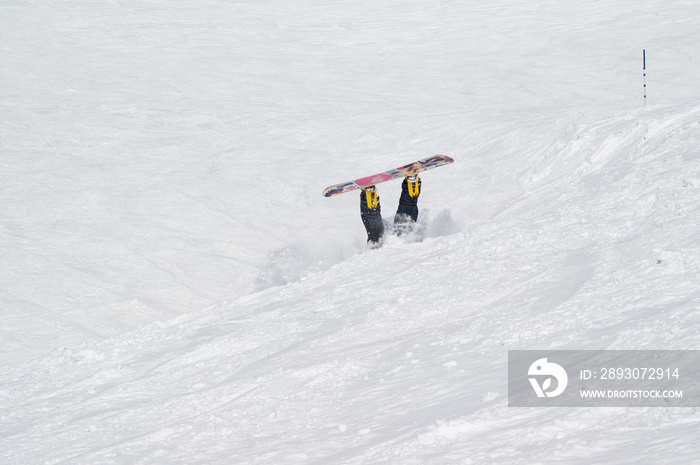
<point x="176" y="290"/>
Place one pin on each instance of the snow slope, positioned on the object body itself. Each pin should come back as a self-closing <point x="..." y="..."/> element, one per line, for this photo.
<point x="176" y="289"/>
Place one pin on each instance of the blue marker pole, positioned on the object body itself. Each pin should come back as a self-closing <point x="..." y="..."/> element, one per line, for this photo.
<point x="644" y="68"/>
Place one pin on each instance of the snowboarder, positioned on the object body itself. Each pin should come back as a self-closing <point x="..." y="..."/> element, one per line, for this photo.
<point x="406" y="215"/>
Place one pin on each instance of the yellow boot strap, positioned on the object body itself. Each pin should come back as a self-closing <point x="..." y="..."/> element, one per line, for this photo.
<point x="413" y="188"/>
<point x="372" y="199"/>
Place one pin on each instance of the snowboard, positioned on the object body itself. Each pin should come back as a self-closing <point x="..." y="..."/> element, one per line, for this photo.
<point x="406" y="170"/>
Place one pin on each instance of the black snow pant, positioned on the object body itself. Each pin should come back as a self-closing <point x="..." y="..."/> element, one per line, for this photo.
<point x="408" y="206"/>
<point x="406" y="214"/>
<point x="372" y="219"/>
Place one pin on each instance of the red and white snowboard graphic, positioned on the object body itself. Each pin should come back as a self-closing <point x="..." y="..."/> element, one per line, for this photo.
<point x="406" y="170"/>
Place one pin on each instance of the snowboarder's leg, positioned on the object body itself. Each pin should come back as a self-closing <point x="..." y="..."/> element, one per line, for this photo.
<point x="371" y="213"/>
<point x="407" y="213"/>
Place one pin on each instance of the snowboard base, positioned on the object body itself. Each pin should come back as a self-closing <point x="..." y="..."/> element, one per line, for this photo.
<point x="406" y="170"/>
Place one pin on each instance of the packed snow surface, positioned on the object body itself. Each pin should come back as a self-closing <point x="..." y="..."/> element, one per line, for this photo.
<point x="175" y="289"/>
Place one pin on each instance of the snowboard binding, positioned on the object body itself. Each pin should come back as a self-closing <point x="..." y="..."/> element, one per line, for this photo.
<point x="413" y="184"/>
<point x="371" y="197"/>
